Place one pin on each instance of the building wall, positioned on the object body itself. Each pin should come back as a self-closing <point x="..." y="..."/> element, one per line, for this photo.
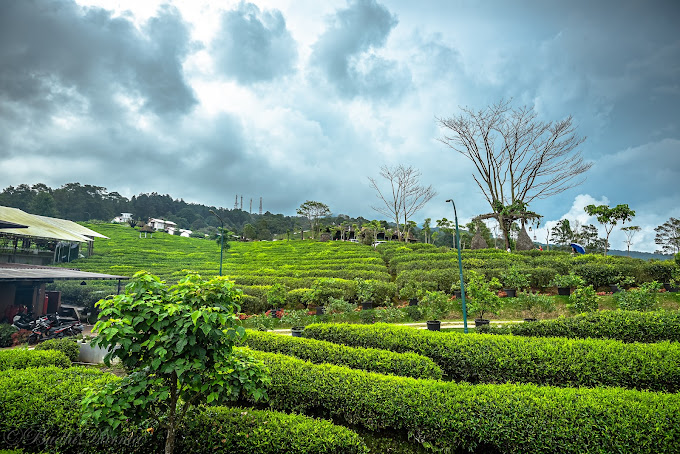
<point x="7" y="292"/>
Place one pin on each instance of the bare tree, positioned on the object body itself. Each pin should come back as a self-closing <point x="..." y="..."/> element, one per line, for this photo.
<point x="517" y="158"/>
<point x="630" y="232"/>
<point x="404" y="197"/>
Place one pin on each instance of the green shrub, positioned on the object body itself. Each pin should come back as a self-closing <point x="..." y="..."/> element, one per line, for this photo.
<point x="625" y="326"/>
<point x="68" y="346"/>
<point x="415" y="313"/>
<point x="597" y="274"/>
<point x="40" y="409"/>
<point x="459" y="417"/>
<point x="20" y="358"/>
<point x="436" y="305"/>
<point x="6" y="331"/>
<point x="583" y="299"/>
<point x="659" y="270"/>
<point x="535" y="303"/>
<point x="244" y="430"/>
<point x="643" y="298"/>
<point x="482" y="296"/>
<point x="567" y="281"/>
<point x="483" y="358"/>
<point x="515" y="278"/>
<point x="369" y="359"/>
<point x="297" y="297"/>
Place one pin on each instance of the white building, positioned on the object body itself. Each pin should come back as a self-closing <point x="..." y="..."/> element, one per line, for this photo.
<point x="161" y="224"/>
<point x="123" y="218"/>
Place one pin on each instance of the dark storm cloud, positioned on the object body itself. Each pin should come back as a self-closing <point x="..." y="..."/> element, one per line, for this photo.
<point x="253" y="45"/>
<point x="342" y="52"/>
<point x="56" y="55"/>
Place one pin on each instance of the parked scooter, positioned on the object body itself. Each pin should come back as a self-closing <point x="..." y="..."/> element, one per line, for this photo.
<point x="50" y="326"/>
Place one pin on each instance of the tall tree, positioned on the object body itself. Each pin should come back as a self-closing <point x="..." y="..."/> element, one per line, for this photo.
<point x="427" y="229"/>
<point x="668" y="236"/>
<point x="609" y="217"/>
<point x="562" y="233"/>
<point x="630" y="232"/>
<point x="404" y="196"/>
<point x="517" y="158"/>
<point x="313" y="211"/>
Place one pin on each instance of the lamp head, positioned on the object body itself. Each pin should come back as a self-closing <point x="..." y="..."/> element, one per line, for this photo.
<point x="448" y="201"/>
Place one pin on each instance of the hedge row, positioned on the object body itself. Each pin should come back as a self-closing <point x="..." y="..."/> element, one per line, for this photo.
<point x="484" y="358"/>
<point x="20" y="358"/>
<point x="369" y="359"/>
<point x="626" y="326"/>
<point x="68" y="346"/>
<point x="460" y="417"/>
<point x="40" y="410"/>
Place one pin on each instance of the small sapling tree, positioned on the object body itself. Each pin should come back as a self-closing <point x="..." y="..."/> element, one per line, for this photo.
<point x="177" y="345"/>
<point x="609" y="217"/>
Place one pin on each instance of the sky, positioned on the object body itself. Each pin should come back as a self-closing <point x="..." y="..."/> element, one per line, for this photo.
<point x="296" y="100"/>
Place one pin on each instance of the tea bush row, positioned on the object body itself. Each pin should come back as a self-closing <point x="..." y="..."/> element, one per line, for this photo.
<point x="21" y="358"/>
<point x="483" y="358"/>
<point x="460" y="417"/>
<point x="40" y="409"/>
<point x="626" y="326"/>
<point x="68" y="346"/>
<point x="369" y="359"/>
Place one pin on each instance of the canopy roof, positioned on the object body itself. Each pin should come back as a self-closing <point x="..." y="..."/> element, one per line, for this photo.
<point x="12" y="272"/>
<point x="45" y="227"/>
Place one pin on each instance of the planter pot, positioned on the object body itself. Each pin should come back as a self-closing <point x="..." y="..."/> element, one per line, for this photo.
<point x="434" y="325"/>
<point x="481" y="322"/>
<point x="413" y="302"/>
<point x="90" y="354"/>
<point x="615" y="288"/>
<point x="510" y="292"/>
<point x="457" y="294"/>
<point x="530" y="320"/>
<point x="563" y="291"/>
<point x="366" y="305"/>
<point x="296" y="331"/>
<point x="670" y="288"/>
<point x="320" y="310"/>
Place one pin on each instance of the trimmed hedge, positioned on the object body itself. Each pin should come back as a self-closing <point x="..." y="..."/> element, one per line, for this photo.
<point x="40" y="409"/>
<point x="369" y="359"/>
<point x="625" y="326"/>
<point x="244" y="430"/>
<point x="460" y="417"/>
<point x="69" y="347"/>
<point x="20" y="358"/>
<point x="485" y="358"/>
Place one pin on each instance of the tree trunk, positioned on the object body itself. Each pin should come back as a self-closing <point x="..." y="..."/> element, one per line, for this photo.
<point x="170" y="440"/>
<point x="506" y="231"/>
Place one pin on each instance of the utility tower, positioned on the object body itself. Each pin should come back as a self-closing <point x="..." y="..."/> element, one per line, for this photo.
<point x="241" y="203"/>
<point x="236" y="202"/>
<point x="251" y="207"/>
<point x="260" y="206"/>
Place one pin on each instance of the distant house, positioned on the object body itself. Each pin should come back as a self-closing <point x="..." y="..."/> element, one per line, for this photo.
<point x="182" y="232"/>
<point x="161" y="224"/>
<point x="123" y="218"/>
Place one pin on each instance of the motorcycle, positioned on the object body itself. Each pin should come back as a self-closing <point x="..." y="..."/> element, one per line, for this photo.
<point x="47" y="327"/>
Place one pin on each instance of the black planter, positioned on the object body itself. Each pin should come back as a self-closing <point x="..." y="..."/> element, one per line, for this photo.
<point x="510" y="292"/>
<point x="366" y="305"/>
<point x="296" y="331"/>
<point x="457" y="294"/>
<point x="669" y="288"/>
<point x="413" y="302"/>
<point x="530" y="319"/>
<point x="615" y="288"/>
<point x="481" y="321"/>
<point x="434" y="325"/>
<point x="320" y="310"/>
<point x="563" y="291"/>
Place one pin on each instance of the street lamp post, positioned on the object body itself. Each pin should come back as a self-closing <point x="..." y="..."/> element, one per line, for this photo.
<point x="460" y="268"/>
<point x="221" y="238"/>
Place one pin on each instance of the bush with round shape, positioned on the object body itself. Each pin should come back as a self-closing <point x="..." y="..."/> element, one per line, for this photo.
<point x="643" y="298"/>
<point x="69" y="347"/>
<point x="583" y="299"/>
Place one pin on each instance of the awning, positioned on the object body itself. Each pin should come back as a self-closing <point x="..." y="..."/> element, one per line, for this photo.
<point x="40" y="226"/>
<point x="13" y="272"/>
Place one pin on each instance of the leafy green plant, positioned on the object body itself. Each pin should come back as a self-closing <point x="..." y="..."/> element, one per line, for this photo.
<point x="21" y="358"/>
<point x="436" y="305"/>
<point x="365" y="290"/>
<point x="276" y="296"/>
<point x="567" y="281"/>
<point x="177" y="342"/>
<point x="643" y="298"/>
<point x="624" y="281"/>
<point x="6" y="331"/>
<point x="535" y="303"/>
<point x="583" y="299"/>
<point x="339" y="306"/>
<point x="481" y="295"/>
<point x="295" y="318"/>
<point x="515" y="279"/>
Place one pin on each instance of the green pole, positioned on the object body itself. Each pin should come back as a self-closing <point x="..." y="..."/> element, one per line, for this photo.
<point x="460" y="268"/>
<point x="221" y="239"/>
